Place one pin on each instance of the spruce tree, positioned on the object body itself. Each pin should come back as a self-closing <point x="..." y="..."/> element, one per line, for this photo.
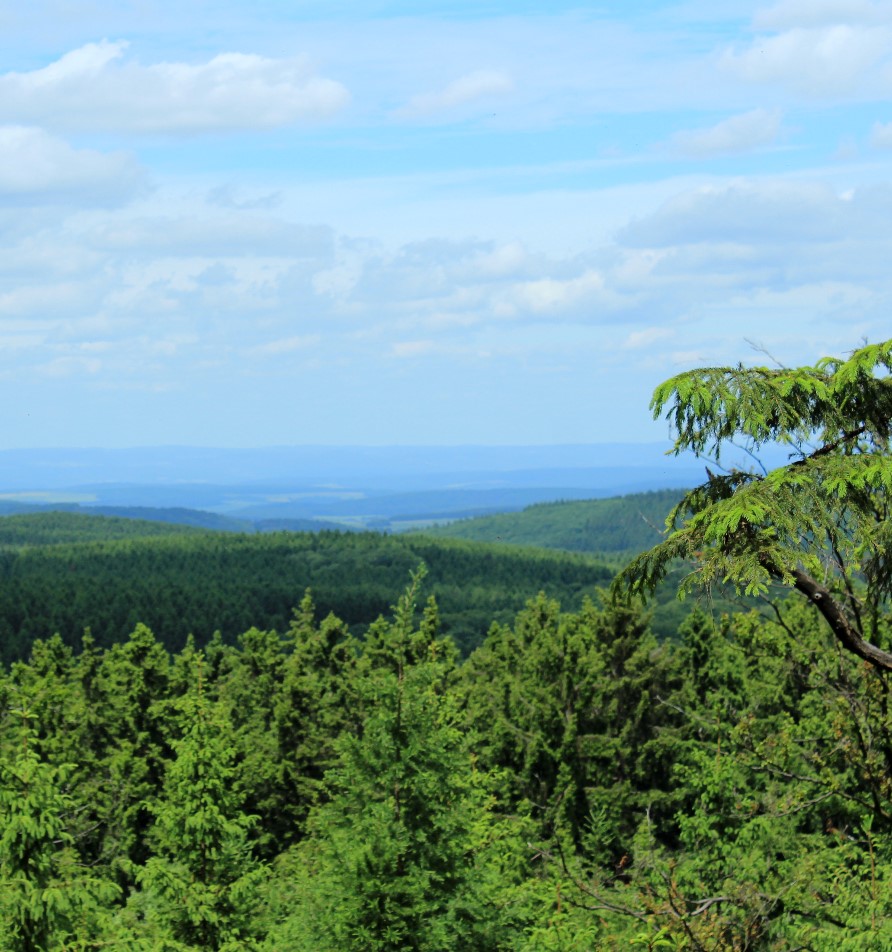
<point x="203" y="883"/>
<point x="48" y="900"/>
<point x="397" y="856"/>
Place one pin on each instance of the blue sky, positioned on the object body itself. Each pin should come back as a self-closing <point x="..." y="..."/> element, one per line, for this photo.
<point x="227" y="224"/>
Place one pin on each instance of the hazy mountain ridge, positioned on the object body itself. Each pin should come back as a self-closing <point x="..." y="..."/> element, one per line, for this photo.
<point x="382" y="488"/>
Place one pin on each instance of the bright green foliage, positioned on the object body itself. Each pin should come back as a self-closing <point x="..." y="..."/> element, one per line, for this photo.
<point x="315" y="703"/>
<point x="132" y="684"/>
<point x="566" y="707"/>
<point x="396" y="857"/>
<point x="821" y="523"/>
<point x="203" y="883"/>
<point x="48" y="900"/>
<point x="249" y="693"/>
<point x="782" y="799"/>
<point x="713" y="669"/>
<point x="575" y="785"/>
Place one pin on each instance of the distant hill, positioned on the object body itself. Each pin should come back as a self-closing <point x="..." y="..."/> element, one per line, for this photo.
<point x="58" y="527"/>
<point x="615" y="525"/>
<point x="65" y="571"/>
<point x="610" y="531"/>
<point x="619" y="527"/>
<point x="388" y="489"/>
<point x="170" y="515"/>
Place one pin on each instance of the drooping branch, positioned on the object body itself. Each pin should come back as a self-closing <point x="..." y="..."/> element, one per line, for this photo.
<point x="825" y="509"/>
<point x="831" y="447"/>
<point x="834" y="614"/>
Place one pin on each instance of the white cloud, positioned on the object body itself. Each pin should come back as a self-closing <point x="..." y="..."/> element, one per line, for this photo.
<point x="552" y="295"/>
<point x="228" y="196"/>
<point x="501" y="261"/>
<point x="70" y="366"/>
<point x="469" y="88"/>
<point x="740" y="133"/>
<point x="831" y="60"/>
<point x="96" y="88"/>
<point x="284" y="345"/>
<point x="689" y="358"/>
<point x="36" y="167"/>
<point x="881" y="135"/>
<point x="212" y="235"/>
<point x="762" y="213"/>
<point x="412" y="348"/>
<point x="39" y="299"/>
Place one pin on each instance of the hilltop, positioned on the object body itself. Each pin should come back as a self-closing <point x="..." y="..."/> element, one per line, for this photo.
<point x="616" y="529"/>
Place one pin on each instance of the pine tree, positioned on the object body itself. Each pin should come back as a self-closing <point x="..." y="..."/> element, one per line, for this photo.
<point x="47" y="899"/>
<point x="203" y="883"/>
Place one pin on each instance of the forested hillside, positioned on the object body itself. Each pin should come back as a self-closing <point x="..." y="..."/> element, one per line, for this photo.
<point x="18" y="532"/>
<point x="615" y="529"/>
<point x="62" y="572"/>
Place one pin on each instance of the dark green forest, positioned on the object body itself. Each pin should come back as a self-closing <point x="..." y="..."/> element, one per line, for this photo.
<point x="569" y="782"/>
<point x="63" y="572"/>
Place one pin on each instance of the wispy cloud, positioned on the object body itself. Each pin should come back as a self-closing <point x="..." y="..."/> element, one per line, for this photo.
<point x="97" y="87"/>
<point x="740" y="133"/>
<point x="284" y="345"/>
<point x="790" y="14"/>
<point x="832" y="60"/>
<point x="638" y="340"/>
<point x="482" y="84"/>
<point x="881" y="135"/>
<point x="408" y="349"/>
<point x="217" y="235"/>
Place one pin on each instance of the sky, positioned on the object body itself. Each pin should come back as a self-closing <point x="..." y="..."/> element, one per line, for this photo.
<point x="457" y="222"/>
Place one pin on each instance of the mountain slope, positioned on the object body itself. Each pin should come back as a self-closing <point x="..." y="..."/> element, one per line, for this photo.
<point x="618" y="527"/>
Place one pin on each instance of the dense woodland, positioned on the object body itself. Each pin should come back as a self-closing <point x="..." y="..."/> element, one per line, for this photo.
<point x="64" y="572"/>
<point x="572" y="783"/>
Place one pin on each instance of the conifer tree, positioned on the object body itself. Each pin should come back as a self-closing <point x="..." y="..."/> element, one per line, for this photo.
<point x="819" y="524"/>
<point x="47" y="899"/>
<point x="203" y="883"/>
<point x="316" y="702"/>
<point x="396" y="857"/>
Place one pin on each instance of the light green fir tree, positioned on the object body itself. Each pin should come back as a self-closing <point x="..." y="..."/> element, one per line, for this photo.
<point x="48" y="900"/>
<point x="202" y="885"/>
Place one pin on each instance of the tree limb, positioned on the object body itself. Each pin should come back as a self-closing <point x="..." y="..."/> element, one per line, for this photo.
<point x="844" y="631"/>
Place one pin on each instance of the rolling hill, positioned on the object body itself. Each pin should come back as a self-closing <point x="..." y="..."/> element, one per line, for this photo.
<point x="64" y="572"/>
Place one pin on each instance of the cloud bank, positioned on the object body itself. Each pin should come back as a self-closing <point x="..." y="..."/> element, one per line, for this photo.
<point x="97" y="88"/>
<point x="38" y="168"/>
